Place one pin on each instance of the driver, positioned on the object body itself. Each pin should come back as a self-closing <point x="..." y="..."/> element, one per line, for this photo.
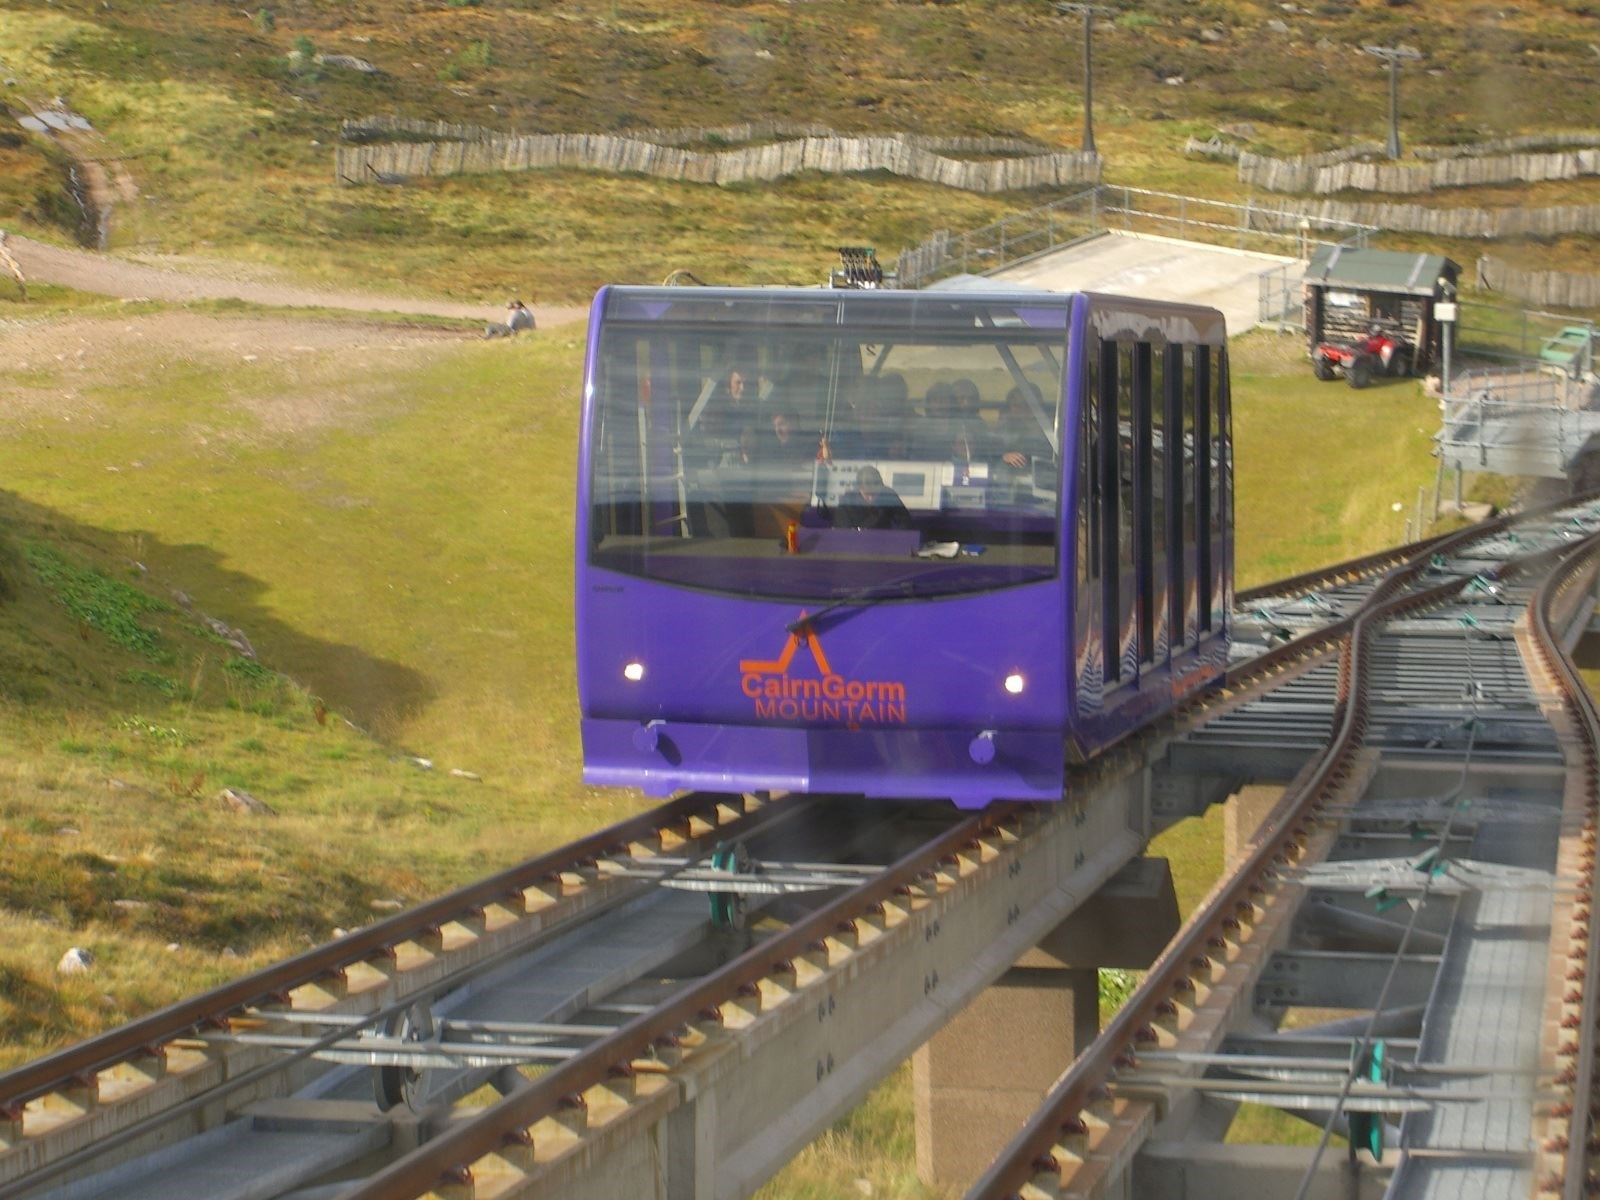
<point x="872" y="505"/>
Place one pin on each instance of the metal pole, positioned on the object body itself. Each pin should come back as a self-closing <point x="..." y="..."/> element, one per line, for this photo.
<point x="1088" y="81"/>
<point x="1087" y="12"/>
<point x="1458" y="487"/>
<point x="1447" y="311"/>
<point x="1393" y="55"/>
<point x="1394" y="108"/>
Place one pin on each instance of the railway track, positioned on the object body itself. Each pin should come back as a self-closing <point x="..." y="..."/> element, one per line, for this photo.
<point x="1428" y="868"/>
<point x="487" y="1042"/>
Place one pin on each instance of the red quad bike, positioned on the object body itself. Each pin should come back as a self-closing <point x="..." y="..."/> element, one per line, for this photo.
<point x="1376" y="354"/>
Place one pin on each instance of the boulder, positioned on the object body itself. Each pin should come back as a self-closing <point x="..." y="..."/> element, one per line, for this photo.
<point x="232" y="636"/>
<point x="76" y="961"/>
<point x="347" y="62"/>
<point x="243" y="802"/>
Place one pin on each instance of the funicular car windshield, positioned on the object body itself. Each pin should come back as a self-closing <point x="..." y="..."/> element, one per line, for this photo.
<point x="827" y="445"/>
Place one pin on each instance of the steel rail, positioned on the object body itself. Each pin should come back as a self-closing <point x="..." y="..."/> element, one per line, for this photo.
<point x="452" y="1154"/>
<point x="1310" y="642"/>
<point x="1032" y="1149"/>
<point x="1369" y="564"/>
<point x="1354" y="568"/>
<point x="137" y="1038"/>
<point x="1581" y="707"/>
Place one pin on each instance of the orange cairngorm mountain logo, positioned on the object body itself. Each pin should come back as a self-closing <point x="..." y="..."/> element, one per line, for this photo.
<point x="778" y="695"/>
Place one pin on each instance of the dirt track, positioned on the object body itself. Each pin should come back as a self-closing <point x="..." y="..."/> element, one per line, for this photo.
<point x="109" y="275"/>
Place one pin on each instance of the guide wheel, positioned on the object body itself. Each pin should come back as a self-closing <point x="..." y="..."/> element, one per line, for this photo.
<point x="728" y="908"/>
<point x="397" y="1085"/>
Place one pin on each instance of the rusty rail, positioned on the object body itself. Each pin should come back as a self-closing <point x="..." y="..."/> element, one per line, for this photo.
<point x="1059" y="1119"/>
<point x="511" y="1120"/>
<point x="1584" y="944"/>
<point x="1354" y="568"/>
<point x="451" y="1155"/>
<point x="1369" y="564"/>
<point x="370" y="943"/>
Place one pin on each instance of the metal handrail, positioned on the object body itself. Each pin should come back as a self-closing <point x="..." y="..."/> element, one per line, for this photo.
<point x="951" y="253"/>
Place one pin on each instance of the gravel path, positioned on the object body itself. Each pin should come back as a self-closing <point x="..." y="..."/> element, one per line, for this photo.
<point x="109" y="275"/>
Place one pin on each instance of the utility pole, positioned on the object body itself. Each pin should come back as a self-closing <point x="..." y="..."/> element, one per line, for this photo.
<point x="1087" y="12"/>
<point x="1394" y="56"/>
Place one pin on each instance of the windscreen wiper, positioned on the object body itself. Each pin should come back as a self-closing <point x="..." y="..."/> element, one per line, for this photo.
<point x="865" y="597"/>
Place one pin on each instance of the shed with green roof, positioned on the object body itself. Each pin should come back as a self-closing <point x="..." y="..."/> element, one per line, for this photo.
<point x="1349" y="293"/>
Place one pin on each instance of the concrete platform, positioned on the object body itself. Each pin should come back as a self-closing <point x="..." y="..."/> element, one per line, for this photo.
<point x="1160" y="268"/>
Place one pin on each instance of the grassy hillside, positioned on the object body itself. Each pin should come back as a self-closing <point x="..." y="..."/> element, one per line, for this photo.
<point x="292" y="480"/>
<point x="230" y="138"/>
<point x="123" y="716"/>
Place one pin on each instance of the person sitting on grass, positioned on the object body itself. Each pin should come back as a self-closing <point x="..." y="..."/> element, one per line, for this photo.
<point x="519" y="316"/>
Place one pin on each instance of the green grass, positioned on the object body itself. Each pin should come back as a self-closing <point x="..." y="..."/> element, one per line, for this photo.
<point x="414" y="583"/>
<point x="35" y="188"/>
<point x="98" y="601"/>
<point x="110" y="769"/>
<point x="1320" y="467"/>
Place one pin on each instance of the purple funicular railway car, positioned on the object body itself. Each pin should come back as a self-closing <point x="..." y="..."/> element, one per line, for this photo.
<point x="909" y="545"/>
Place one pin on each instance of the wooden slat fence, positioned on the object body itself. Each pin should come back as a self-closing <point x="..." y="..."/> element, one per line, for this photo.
<point x="471" y="150"/>
<point x="1559" y="289"/>
<point x="1570" y="140"/>
<point x="1302" y="175"/>
<point x="366" y="129"/>
<point x="1550" y="222"/>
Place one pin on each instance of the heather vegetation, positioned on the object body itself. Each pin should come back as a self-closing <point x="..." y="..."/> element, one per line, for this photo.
<point x="228" y="120"/>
